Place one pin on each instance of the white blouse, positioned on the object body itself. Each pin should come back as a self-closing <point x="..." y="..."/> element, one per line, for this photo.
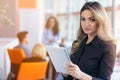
<point x="48" y="35"/>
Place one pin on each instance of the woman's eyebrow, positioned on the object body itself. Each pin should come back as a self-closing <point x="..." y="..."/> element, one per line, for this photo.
<point x="81" y="16"/>
<point x="88" y="17"/>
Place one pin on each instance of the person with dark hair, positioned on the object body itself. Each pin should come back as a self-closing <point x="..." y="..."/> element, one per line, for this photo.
<point x="93" y="53"/>
<point x="23" y="41"/>
<point x="51" y="34"/>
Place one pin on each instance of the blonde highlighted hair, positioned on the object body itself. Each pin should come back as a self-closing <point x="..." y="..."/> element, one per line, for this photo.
<point x="39" y="50"/>
<point x="104" y="31"/>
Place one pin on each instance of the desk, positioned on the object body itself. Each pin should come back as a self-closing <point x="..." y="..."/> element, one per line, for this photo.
<point x="4" y="57"/>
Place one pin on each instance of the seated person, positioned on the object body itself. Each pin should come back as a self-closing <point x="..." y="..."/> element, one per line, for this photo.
<point x="39" y="53"/>
<point x="23" y="41"/>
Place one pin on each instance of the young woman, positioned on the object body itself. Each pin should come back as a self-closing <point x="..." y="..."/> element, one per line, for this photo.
<point x="51" y="32"/>
<point x="94" y="51"/>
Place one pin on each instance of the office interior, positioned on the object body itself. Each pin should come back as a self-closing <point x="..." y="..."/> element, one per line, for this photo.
<point x="31" y="16"/>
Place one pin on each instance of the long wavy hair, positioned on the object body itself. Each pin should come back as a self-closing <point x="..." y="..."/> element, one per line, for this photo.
<point x="55" y="29"/>
<point x="104" y="31"/>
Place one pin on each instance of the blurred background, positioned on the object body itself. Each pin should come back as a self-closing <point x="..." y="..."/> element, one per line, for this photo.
<point x="31" y="16"/>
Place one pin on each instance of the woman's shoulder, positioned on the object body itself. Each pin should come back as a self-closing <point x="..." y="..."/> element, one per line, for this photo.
<point x="108" y="44"/>
<point x="104" y="44"/>
<point x="109" y="47"/>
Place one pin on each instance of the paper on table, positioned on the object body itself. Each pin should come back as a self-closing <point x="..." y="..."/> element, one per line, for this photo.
<point x="59" y="57"/>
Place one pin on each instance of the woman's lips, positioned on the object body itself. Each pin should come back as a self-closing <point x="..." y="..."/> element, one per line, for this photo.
<point x="86" y="29"/>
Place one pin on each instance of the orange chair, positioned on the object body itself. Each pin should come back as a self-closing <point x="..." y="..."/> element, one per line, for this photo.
<point x="16" y="55"/>
<point x="32" y="71"/>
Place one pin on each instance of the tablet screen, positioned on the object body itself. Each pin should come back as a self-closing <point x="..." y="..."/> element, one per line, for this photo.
<point x="59" y="57"/>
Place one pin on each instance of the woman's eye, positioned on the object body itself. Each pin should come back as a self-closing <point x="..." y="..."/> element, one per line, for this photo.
<point x="82" y="19"/>
<point x="92" y="20"/>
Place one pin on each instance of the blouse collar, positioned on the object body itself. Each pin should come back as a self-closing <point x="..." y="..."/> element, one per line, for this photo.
<point x="94" y="42"/>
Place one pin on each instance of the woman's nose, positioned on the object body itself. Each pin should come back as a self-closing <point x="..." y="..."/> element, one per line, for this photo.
<point x="87" y="23"/>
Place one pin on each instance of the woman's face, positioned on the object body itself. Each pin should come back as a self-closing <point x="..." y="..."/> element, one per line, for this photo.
<point x="52" y="23"/>
<point x="88" y="22"/>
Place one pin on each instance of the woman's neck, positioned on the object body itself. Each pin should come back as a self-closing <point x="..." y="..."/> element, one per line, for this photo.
<point x="90" y="38"/>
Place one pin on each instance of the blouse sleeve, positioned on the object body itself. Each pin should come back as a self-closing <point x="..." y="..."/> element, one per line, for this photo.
<point x="107" y="63"/>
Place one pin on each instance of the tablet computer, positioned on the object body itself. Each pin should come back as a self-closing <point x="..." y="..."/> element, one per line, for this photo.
<point x="59" y="57"/>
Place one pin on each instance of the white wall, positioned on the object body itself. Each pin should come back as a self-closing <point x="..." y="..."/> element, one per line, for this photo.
<point x="30" y="20"/>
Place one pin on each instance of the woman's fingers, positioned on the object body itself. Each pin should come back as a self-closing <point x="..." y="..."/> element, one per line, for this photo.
<point x="73" y="70"/>
<point x="71" y="73"/>
<point x="70" y="69"/>
<point x="65" y="75"/>
<point x="70" y="64"/>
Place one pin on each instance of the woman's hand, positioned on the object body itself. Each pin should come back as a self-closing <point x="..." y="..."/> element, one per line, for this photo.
<point x="65" y="75"/>
<point x="73" y="70"/>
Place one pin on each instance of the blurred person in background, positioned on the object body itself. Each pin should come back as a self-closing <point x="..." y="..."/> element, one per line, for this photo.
<point x="51" y="37"/>
<point x="23" y="41"/>
<point x="23" y="38"/>
<point x="93" y="54"/>
<point x="39" y="53"/>
<point x="51" y="34"/>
